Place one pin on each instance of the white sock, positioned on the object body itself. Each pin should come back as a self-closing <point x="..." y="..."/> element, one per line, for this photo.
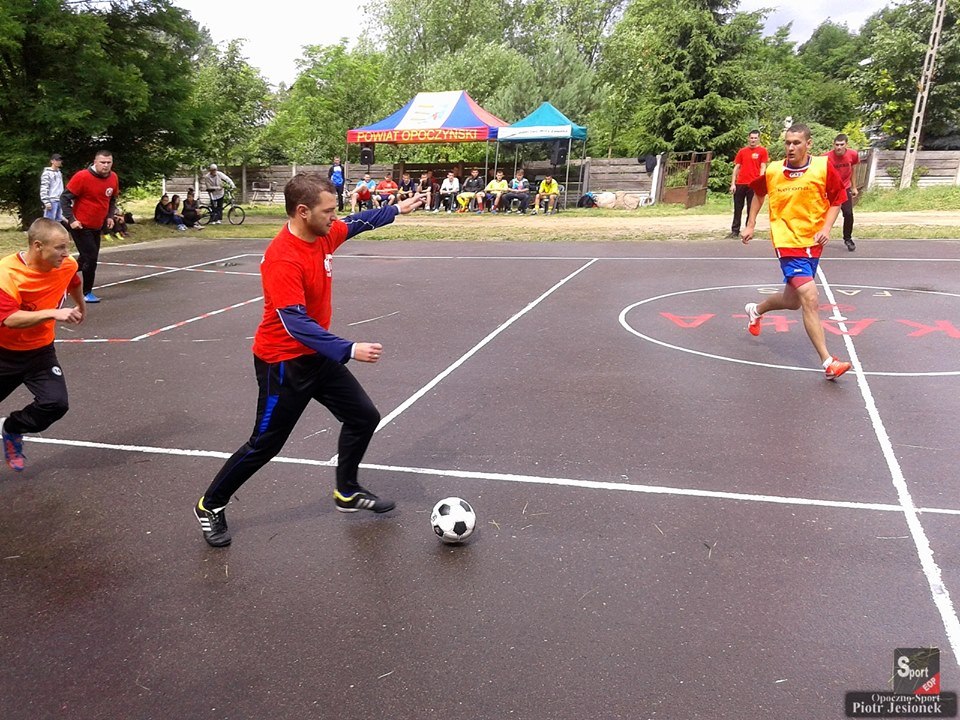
<point x="826" y="363"/>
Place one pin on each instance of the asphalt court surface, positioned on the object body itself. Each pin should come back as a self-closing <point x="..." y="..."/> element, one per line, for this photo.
<point x="676" y="519"/>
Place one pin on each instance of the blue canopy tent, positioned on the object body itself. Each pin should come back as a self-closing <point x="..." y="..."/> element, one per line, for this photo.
<point x="545" y="124"/>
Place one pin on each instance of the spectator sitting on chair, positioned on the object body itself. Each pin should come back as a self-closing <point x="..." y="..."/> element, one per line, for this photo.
<point x="363" y="193"/>
<point x="549" y="191"/>
<point x="429" y="189"/>
<point x="387" y="190"/>
<point x="408" y="187"/>
<point x="191" y="215"/>
<point x="519" y="191"/>
<point x="472" y="189"/>
<point x="495" y="191"/>
<point x="449" y="189"/>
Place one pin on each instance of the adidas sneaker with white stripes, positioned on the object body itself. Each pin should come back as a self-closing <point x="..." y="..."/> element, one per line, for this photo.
<point x="361" y="500"/>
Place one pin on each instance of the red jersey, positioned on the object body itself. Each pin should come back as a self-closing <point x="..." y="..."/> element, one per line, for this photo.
<point x="295" y="272"/>
<point x="750" y="159"/>
<point x="387" y="186"/>
<point x="798" y="204"/>
<point x="844" y="164"/>
<point x="93" y="195"/>
<point x="23" y="288"/>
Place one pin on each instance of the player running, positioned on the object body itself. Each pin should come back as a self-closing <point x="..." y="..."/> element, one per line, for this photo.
<point x="805" y="198"/>
<point x="32" y="288"/>
<point x="297" y="359"/>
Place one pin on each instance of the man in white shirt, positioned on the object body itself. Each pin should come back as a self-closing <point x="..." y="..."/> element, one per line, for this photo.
<point x="51" y="188"/>
<point x="449" y="189"/>
<point x="214" y="182"/>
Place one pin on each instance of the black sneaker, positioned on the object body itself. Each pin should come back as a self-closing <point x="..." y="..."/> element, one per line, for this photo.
<point x="214" y="524"/>
<point x="851" y="245"/>
<point x="362" y="500"/>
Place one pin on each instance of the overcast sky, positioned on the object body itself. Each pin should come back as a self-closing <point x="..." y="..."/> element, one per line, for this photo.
<point x="276" y="30"/>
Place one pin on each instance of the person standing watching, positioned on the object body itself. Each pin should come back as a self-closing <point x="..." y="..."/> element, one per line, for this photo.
<point x="805" y="194"/>
<point x="337" y="175"/>
<point x="32" y="288"/>
<point x="749" y="164"/>
<point x="842" y="158"/>
<point x="296" y="357"/>
<point x="89" y="204"/>
<point x="214" y="182"/>
<point x="51" y="188"/>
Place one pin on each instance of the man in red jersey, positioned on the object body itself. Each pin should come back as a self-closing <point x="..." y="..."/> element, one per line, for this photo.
<point x="843" y="159"/>
<point x="32" y="288"/>
<point x="805" y="194"/>
<point x="749" y="164"/>
<point x="89" y="202"/>
<point x="297" y="358"/>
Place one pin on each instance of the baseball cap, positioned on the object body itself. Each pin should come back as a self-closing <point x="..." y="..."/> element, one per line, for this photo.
<point x="213" y="166"/>
<point x="56" y="156"/>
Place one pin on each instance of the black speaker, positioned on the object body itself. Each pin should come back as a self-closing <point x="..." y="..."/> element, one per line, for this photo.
<point x="558" y="153"/>
<point x="649" y="162"/>
<point x="366" y="155"/>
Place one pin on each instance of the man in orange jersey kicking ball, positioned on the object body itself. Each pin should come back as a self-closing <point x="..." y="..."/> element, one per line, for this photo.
<point x="805" y="195"/>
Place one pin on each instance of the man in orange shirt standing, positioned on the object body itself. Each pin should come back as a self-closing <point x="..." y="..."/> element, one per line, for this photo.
<point x="32" y="288"/>
<point x="805" y="196"/>
<point x="89" y="204"/>
<point x="750" y="163"/>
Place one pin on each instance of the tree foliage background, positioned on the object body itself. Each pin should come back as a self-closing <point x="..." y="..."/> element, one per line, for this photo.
<point x="140" y="77"/>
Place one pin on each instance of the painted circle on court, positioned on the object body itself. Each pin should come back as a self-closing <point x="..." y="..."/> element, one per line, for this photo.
<point x="836" y="316"/>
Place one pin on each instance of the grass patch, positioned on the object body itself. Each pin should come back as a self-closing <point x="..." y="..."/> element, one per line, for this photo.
<point x="912" y="200"/>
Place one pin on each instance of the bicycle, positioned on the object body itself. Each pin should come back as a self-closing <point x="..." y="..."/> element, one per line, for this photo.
<point x="231" y="211"/>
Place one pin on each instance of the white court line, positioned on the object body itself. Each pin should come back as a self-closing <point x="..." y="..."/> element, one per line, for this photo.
<point x="167" y="272"/>
<point x="204" y="316"/>
<point x="631" y="257"/>
<point x="523" y="479"/>
<point x="941" y="596"/>
<point x="476" y="348"/>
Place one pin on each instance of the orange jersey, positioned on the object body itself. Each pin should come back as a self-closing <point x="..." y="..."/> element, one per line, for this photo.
<point x="22" y="288"/>
<point x="798" y="201"/>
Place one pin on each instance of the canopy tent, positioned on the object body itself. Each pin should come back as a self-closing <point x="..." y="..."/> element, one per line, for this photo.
<point x="545" y="124"/>
<point x="432" y="117"/>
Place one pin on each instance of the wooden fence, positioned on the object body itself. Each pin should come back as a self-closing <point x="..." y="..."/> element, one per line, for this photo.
<point x="934" y="167"/>
<point x="627" y="177"/>
<point x="591" y="175"/>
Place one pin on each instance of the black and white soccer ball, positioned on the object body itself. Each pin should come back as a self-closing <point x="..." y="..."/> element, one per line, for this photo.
<point x="453" y="520"/>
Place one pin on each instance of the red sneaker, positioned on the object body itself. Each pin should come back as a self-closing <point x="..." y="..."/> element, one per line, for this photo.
<point x="836" y="368"/>
<point x="13" y="450"/>
<point x="753" y="326"/>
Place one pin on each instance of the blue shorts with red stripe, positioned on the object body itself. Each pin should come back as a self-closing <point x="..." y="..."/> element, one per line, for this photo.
<point x="798" y="267"/>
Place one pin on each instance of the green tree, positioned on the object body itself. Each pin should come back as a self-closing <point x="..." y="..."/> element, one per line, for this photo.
<point x="832" y="50"/>
<point x="73" y="78"/>
<point x="677" y="76"/>
<point x="894" y="43"/>
<point x="336" y="90"/>
<point x="233" y="102"/>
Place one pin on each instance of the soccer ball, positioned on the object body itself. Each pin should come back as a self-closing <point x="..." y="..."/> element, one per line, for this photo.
<point x="453" y="520"/>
